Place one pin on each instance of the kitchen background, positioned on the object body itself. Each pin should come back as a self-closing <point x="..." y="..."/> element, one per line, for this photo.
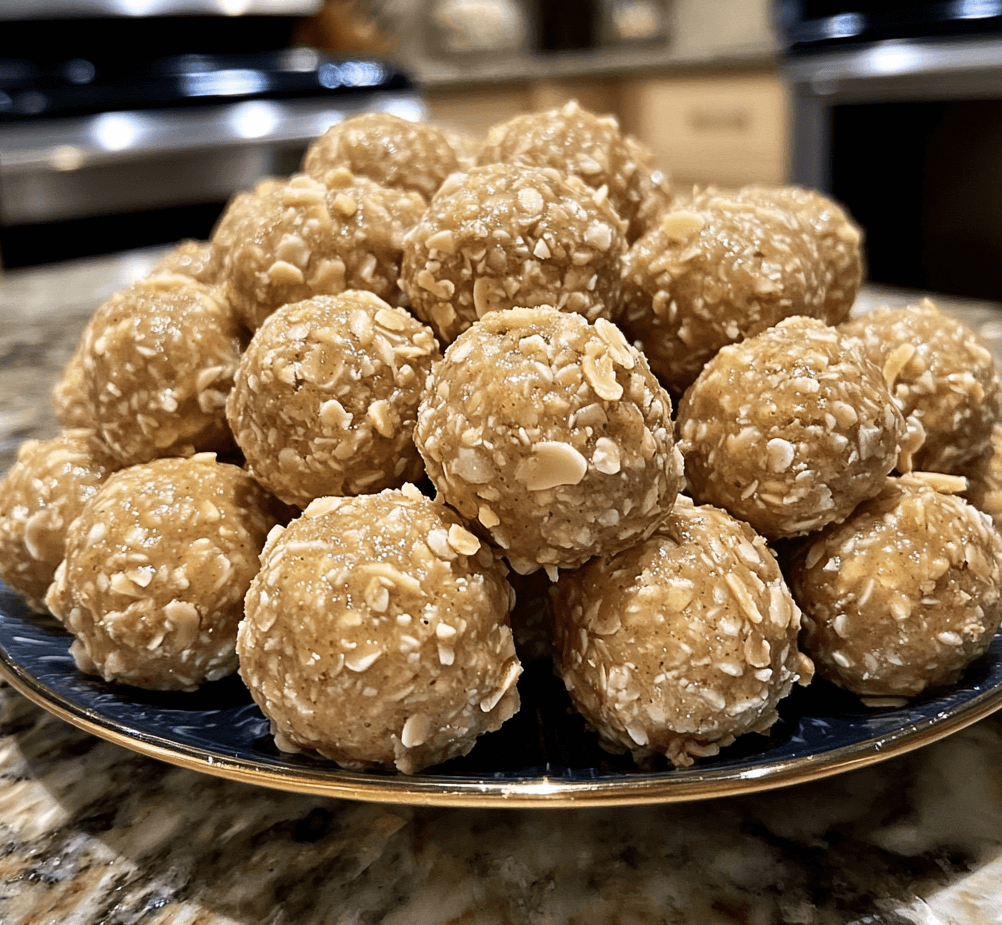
<point x="126" y="123"/>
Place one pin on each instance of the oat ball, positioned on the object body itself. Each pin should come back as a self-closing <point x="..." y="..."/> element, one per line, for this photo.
<point x="390" y="150"/>
<point x="552" y="435"/>
<point x="578" y="142"/>
<point x="239" y="213"/>
<point x="790" y="429"/>
<point x="905" y="593"/>
<point x="300" y="238"/>
<point x="198" y="259"/>
<point x="325" y="397"/>
<point x="713" y="273"/>
<point x="156" y="568"/>
<point x="377" y="633"/>
<point x="40" y="496"/>
<point x="681" y="643"/>
<point x="838" y="238"/>
<point x="943" y="377"/>
<point x="157" y="363"/>
<point x="506" y="235"/>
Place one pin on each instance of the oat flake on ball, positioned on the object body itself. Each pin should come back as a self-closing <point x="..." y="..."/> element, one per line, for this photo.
<point x="156" y="568"/>
<point x="681" y="643"/>
<point x="790" y="429"/>
<point x="377" y="633"/>
<point x="505" y="235"/>
<point x="905" y="593"/>
<point x="552" y="434"/>
<point x="326" y="394"/>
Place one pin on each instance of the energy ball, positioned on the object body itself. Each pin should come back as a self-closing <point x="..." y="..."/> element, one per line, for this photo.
<point x="40" y="497"/>
<point x="239" y="213"/>
<point x="573" y="457"/>
<point x="198" y="259"/>
<point x="577" y="142"/>
<point x="681" y="643"/>
<point x="157" y="363"/>
<point x="325" y="397"/>
<point x="156" y="569"/>
<point x="839" y="240"/>
<point x="713" y="273"/>
<point x="790" y="429"/>
<point x="390" y="150"/>
<point x="941" y="374"/>
<point x="905" y="593"/>
<point x="377" y="633"/>
<point x="504" y="235"/>
<point x="300" y="238"/>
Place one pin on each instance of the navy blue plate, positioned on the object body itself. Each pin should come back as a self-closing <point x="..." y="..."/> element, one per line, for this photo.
<point x="544" y="756"/>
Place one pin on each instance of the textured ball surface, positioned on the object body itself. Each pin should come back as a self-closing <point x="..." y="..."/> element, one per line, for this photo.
<point x="377" y="633"/>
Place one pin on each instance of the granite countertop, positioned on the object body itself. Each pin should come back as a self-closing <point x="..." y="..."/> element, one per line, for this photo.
<point x="93" y="833"/>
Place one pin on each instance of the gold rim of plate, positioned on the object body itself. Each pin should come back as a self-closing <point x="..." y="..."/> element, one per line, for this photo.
<point x="538" y="792"/>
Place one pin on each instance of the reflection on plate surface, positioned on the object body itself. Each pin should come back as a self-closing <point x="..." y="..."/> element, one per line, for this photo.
<point x="542" y="757"/>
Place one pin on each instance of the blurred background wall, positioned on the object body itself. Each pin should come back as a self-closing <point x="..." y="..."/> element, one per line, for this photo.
<point x="894" y="108"/>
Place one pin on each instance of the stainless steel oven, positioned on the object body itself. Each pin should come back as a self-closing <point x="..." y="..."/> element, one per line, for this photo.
<point x="897" y="112"/>
<point x="126" y="123"/>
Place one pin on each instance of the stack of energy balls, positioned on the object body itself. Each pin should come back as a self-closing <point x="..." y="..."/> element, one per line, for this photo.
<point x="340" y="445"/>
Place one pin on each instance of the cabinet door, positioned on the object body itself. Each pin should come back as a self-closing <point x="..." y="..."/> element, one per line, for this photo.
<point x="726" y="129"/>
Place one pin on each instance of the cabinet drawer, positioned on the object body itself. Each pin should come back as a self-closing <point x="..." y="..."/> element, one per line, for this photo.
<point x="726" y="130"/>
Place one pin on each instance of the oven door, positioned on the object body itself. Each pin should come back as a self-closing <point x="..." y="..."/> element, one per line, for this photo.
<point x="907" y="134"/>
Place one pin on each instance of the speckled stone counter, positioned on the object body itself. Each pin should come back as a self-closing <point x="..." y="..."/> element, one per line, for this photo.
<point x="93" y="833"/>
